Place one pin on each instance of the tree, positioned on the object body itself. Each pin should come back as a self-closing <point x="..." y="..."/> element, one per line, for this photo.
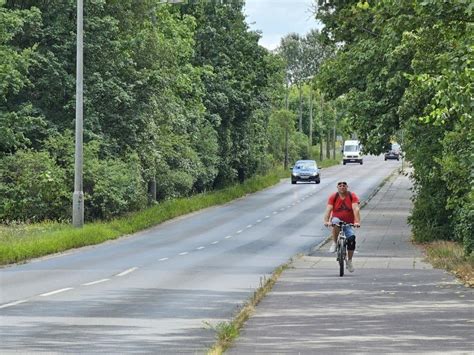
<point x="236" y="73"/>
<point x="20" y="125"/>
<point x="405" y="66"/>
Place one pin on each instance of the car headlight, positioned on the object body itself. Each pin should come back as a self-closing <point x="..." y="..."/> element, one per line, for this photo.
<point x="296" y="174"/>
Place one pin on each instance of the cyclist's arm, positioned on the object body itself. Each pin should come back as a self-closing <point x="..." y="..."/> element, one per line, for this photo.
<point x="356" y="210"/>
<point x="327" y="214"/>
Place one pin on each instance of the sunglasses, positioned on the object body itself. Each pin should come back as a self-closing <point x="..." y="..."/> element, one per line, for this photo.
<point x="342" y="183"/>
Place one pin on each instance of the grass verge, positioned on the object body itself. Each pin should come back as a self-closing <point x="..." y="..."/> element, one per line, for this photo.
<point x="20" y="242"/>
<point x="227" y="332"/>
<point x="450" y="256"/>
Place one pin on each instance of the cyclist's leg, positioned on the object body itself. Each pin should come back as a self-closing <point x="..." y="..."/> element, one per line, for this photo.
<point x="351" y="241"/>
<point x="335" y="229"/>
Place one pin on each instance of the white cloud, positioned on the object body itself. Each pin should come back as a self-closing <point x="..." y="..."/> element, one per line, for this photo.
<point x="276" y="18"/>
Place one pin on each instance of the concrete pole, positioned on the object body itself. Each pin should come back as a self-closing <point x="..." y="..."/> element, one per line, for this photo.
<point x="310" y="118"/>
<point x="286" y="147"/>
<point x="300" y="118"/>
<point x="334" y="135"/>
<point x="78" y="196"/>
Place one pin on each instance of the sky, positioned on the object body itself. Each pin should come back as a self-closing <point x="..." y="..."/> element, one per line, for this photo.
<point x="276" y="18"/>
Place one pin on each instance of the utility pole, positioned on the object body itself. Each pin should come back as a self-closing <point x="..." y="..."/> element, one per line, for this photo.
<point x="310" y="118"/>
<point x="321" y="155"/>
<point x="402" y="152"/>
<point x="78" y="196"/>
<point x="285" y="164"/>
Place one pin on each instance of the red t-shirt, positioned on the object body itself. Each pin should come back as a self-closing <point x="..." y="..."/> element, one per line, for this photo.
<point x="343" y="207"/>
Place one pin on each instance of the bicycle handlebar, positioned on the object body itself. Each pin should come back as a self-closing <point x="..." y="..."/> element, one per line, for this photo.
<point x="342" y="224"/>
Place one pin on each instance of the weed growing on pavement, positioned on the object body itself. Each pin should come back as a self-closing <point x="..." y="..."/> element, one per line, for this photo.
<point x="227" y="332"/>
<point x="450" y="256"/>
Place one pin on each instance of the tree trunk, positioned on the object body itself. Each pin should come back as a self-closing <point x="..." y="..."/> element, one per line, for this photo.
<point x="328" y="144"/>
<point x="321" y="155"/>
<point x="152" y="190"/>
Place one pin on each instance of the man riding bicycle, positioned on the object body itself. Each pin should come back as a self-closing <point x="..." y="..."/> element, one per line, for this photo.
<point x="343" y="206"/>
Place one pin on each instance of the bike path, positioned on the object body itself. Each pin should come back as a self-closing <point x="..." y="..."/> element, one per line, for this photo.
<point x="394" y="302"/>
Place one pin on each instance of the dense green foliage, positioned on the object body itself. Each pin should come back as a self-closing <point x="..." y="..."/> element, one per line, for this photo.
<point x="405" y="70"/>
<point x="175" y="96"/>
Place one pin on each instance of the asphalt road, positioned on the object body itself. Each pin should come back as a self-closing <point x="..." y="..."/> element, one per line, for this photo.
<point x="153" y="291"/>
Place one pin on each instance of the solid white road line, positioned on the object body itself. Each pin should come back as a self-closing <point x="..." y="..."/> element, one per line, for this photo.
<point x="55" y="292"/>
<point x="12" y="304"/>
<point x="95" y="282"/>
<point x="123" y="273"/>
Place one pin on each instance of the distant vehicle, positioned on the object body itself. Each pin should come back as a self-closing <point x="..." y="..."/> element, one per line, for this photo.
<point x="351" y="152"/>
<point x="393" y="153"/>
<point x="305" y="170"/>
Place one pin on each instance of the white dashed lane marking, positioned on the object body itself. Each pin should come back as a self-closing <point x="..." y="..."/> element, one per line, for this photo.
<point x="199" y="248"/>
<point x="183" y="253"/>
<point x="163" y="259"/>
<point x="95" y="282"/>
<point x="215" y="242"/>
<point x="126" y="272"/>
<point x="12" y="304"/>
<point x="228" y="237"/>
<point x="55" y="292"/>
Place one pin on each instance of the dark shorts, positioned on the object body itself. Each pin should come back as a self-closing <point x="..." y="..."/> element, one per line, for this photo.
<point x="349" y="232"/>
<point x="351" y="242"/>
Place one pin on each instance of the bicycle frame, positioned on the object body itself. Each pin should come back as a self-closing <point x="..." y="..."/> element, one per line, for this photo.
<point x="341" y="246"/>
<point x="341" y="250"/>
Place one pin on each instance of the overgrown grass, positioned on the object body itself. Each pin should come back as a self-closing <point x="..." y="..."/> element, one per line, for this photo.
<point x="227" y="332"/>
<point x="20" y="242"/>
<point x="450" y="256"/>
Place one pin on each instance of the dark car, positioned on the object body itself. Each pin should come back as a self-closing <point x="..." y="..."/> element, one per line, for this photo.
<point x="393" y="153"/>
<point x="305" y="170"/>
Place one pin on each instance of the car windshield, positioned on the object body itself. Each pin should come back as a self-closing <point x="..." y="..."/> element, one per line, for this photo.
<point x="350" y="148"/>
<point x="305" y="166"/>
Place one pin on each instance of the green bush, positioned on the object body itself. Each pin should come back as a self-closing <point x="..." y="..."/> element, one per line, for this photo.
<point x="464" y="227"/>
<point x="113" y="187"/>
<point x="32" y="187"/>
<point x="430" y="219"/>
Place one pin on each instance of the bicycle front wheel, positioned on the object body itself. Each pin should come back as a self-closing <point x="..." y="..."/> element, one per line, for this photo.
<point x="341" y="258"/>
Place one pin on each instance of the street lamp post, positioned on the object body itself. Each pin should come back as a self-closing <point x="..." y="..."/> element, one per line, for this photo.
<point x="78" y="196"/>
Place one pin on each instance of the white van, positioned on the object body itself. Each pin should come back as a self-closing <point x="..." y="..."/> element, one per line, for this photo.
<point x="352" y="152"/>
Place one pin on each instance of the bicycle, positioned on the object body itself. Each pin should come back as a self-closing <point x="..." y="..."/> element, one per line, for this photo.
<point x="341" y="245"/>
